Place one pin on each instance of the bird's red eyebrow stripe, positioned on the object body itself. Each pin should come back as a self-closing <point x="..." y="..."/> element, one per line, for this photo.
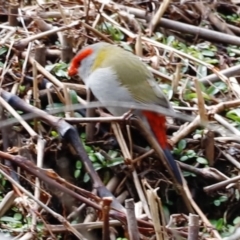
<point x="78" y="58"/>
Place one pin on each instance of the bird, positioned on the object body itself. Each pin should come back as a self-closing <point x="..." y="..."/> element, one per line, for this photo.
<point x="116" y="75"/>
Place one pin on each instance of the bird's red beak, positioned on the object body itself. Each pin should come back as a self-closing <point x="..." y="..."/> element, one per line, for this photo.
<point x="72" y="71"/>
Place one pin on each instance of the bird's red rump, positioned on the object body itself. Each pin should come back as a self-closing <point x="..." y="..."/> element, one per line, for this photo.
<point x="158" y="126"/>
<point x="76" y="61"/>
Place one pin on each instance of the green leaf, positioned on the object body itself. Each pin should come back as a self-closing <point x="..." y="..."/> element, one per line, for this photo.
<point x="97" y="166"/>
<point x="234" y="114"/>
<point x="83" y="136"/>
<point x="88" y="149"/>
<point x="100" y="157"/>
<point x="202" y="160"/>
<point x="54" y="134"/>
<point x="126" y="46"/>
<point x="3" y="50"/>
<point x="74" y="97"/>
<point x="182" y="144"/>
<point x="9" y="219"/>
<point x="188" y="174"/>
<point x="236" y="221"/>
<point x="59" y="69"/>
<point x="115" y="162"/>
<point x="191" y="153"/>
<point x="216" y="88"/>
<point x="217" y="202"/>
<point x="77" y="173"/>
<point x="223" y="198"/>
<point x="208" y="53"/>
<point x="184" y="158"/>
<point x="112" y="153"/>
<point x="220" y="224"/>
<point x="170" y="39"/>
<point x="202" y="71"/>
<point x="56" y="107"/>
<point x="190" y="96"/>
<point x="17" y="216"/>
<point x="86" y="178"/>
<point x="93" y="158"/>
<point x="78" y="165"/>
<point x="22" y="88"/>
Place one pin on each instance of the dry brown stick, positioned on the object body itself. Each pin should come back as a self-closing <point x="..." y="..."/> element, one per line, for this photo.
<point x="228" y="72"/>
<point x="21" y="44"/>
<point x="56" y="215"/>
<point x="154" y="203"/>
<point x="40" y="54"/>
<point x="220" y="25"/>
<point x="106" y="206"/>
<point x="50" y="179"/>
<point x="127" y="155"/>
<point x="90" y="112"/>
<point x="226" y="124"/>
<point x="183" y="27"/>
<point x="202" y="215"/>
<point x="222" y="106"/>
<point x="222" y="184"/>
<point x="193" y="227"/>
<point x="208" y="173"/>
<point x="7" y="202"/>
<point x="185" y="131"/>
<point x="201" y="104"/>
<point x="13" y="14"/>
<point x="83" y="226"/>
<point x="131" y="220"/>
<point x="231" y="159"/>
<point x="158" y="15"/>
<point x="209" y="144"/>
<point x="8" y="107"/>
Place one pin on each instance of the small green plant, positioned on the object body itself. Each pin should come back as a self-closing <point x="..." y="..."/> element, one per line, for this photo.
<point x="185" y="155"/>
<point x="98" y="160"/>
<point x="58" y="69"/>
<point x="223" y="227"/>
<point x="221" y="199"/>
<point x="114" y="32"/>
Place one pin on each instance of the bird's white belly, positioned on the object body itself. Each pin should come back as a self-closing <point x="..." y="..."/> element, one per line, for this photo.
<point x="106" y="88"/>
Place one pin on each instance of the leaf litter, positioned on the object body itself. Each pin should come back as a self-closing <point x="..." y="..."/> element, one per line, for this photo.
<point x="192" y="48"/>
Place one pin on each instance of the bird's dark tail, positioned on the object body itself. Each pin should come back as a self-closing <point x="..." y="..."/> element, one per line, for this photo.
<point x="158" y="127"/>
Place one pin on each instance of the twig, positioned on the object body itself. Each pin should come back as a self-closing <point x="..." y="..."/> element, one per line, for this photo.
<point x="90" y="112"/>
<point x="31" y="132"/>
<point x="56" y="215"/>
<point x="193" y="227"/>
<point x="220" y="185"/>
<point x="6" y="202"/>
<point x="158" y="15"/>
<point x="201" y="104"/>
<point x="221" y="120"/>
<point x="183" y="27"/>
<point x="21" y="44"/>
<point x="131" y="220"/>
<point x="221" y="25"/>
<point x="229" y="72"/>
<point x="40" y="155"/>
<point x="12" y="14"/>
<point x="105" y="212"/>
<point x="127" y="155"/>
<point x="231" y="159"/>
<point x="154" y="202"/>
<point x="185" y="131"/>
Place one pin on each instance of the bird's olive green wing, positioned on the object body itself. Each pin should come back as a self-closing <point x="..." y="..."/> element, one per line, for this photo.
<point x="134" y="75"/>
